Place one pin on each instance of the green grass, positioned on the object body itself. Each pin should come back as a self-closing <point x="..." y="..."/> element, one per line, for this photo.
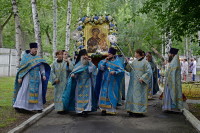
<point x="8" y="115"/>
<point x="6" y="90"/>
<point x="191" y="91"/>
<point x="198" y="72"/>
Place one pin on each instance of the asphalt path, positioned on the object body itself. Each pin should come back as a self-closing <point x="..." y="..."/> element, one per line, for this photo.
<point x="155" y="121"/>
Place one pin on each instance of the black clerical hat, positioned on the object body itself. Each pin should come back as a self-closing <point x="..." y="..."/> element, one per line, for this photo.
<point x="173" y="51"/>
<point x="112" y="51"/>
<point x="82" y="52"/>
<point x="33" y="45"/>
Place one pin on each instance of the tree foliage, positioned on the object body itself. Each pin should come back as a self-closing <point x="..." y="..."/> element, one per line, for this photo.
<point x="141" y="23"/>
<point x="181" y="17"/>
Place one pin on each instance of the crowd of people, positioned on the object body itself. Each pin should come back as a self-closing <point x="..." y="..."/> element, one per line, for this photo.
<point x="83" y="87"/>
<point x="188" y="68"/>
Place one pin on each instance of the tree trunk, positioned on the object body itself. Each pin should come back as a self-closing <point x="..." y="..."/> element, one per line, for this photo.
<point x="69" y="9"/>
<point x="186" y="47"/>
<point x="88" y="9"/>
<point x="1" y="37"/>
<point x="168" y="44"/>
<point x="17" y="32"/>
<point x="199" y="37"/>
<point x="37" y="27"/>
<point x="159" y="55"/>
<point x="54" y="27"/>
<point x="163" y="45"/>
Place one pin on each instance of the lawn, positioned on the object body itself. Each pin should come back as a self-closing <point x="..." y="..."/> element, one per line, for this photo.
<point x="8" y="116"/>
<point x="191" y="90"/>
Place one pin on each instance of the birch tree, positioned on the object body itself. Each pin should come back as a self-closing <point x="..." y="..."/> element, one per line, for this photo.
<point x="199" y="37"/>
<point x="54" y="27"/>
<point x="37" y="27"/>
<point x="17" y="32"/>
<point x="69" y="9"/>
<point x="168" y="43"/>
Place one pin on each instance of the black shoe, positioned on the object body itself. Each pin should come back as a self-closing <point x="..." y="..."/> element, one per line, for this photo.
<point x="61" y="112"/>
<point x="39" y="111"/>
<point x="131" y="114"/>
<point x="103" y="113"/>
<point x="84" y="114"/>
<point x="79" y="114"/>
<point x="138" y="114"/>
<point x="18" y="110"/>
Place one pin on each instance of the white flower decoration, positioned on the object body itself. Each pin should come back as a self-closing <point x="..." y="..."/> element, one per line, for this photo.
<point x="112" y="38"/>
<point x="75" y="35"/>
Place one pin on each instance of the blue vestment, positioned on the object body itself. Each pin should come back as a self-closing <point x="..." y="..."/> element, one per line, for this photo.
<point x="30" y="65"/>
<point x="59" y="71"/>
<point x="109" y="92"/>
<point x="136" y="101"/>
<point x="173" y="86"/>
<point x="79" y="93"/>
<point x="155" y="88"/>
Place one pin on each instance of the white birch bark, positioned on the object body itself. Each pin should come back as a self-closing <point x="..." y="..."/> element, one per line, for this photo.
<point x="88" y="9"/>
<point x="199" y="37"/>
<point x="168" y="44"/>
<point x="163" y="44"/>
<point x="18" y="32"/>
<point x="54" y="27"/>
<point x="37" y="27"/>
<point x="69" y="9"/>
<point x="186" y="47"/>
<point x="190" y="50"/>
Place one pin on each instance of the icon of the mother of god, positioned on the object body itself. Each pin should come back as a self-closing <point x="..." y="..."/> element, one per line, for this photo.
<point x="93" y="42"/>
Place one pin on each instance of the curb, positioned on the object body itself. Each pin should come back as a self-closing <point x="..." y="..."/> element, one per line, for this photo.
<point x="192" y="119"/>
<point x="32" y="120"/>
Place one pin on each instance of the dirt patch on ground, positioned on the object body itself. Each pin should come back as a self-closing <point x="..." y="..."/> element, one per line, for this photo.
<point x="195" y="110"/>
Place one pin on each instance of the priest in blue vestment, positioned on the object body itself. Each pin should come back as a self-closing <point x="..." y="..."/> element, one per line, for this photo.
<point x="172" y="95"/>
<point x="108" y="97"/>
<point x="154" y="88"/>
<point x="59" y="76"/>
<point x="79" y="93"/>
<point x="31" y="81"/>
<point x="140" y="75"/>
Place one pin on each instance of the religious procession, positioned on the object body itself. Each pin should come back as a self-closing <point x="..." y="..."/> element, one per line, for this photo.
<point x="99" y="66"/>
<point x="82" y="86"/>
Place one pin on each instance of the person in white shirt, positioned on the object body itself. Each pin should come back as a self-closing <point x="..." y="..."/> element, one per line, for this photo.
<point x="194" y="69"/>
<point x="184" y="69"/>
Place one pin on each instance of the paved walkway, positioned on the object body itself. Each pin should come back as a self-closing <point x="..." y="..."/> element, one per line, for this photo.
<point x="155" y="121"/>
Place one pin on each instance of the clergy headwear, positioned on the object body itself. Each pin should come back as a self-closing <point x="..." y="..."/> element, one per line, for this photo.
<point x="173" y="51"/>
<point x="33" y="45"/>
<point x="112" y="51"/>
<point x="82" y="52"/>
